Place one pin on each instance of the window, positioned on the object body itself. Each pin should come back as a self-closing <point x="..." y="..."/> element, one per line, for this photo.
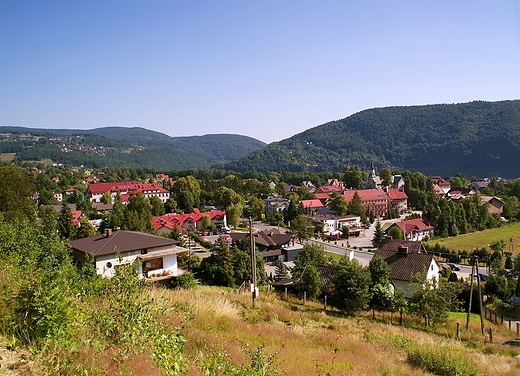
<point x="144" y="251"/>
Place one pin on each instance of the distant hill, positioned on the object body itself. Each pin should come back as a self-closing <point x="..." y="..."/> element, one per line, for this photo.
<point x="476" y="138"/>
<point x="124" y="147"/>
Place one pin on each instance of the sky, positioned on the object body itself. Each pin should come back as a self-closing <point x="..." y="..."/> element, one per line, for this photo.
<point x="266" y="69"/>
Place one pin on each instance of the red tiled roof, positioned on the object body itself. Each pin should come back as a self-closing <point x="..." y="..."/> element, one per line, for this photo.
<point x="310" y="204"/>
<point x="365" y="194"/>
<point x="438" y="189"/>
<point x="418" y="224"/>
<point x="396" y="194"/>
<point x="126" y="186"/>
<point x="329" y="189"/>
<point x="177" y="220"/>
<point x="322" y="196"/>
<point x="76" y="214"/>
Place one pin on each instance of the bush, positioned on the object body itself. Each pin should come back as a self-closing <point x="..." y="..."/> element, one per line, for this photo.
<point x="442" y="361"/>
<point x="185" y="281"/>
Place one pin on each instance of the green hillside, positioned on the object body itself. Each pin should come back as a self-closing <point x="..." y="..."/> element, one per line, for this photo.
<point x="130" y="147"/>
<point x="477" y="138"/>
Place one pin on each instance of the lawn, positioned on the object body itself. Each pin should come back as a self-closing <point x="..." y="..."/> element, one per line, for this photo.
<point x="510" y="233"/>
<point x="7" y="157"/>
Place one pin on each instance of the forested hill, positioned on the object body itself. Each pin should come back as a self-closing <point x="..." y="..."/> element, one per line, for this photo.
<point x="477" y="138"/>
<point x="124" y="147"/>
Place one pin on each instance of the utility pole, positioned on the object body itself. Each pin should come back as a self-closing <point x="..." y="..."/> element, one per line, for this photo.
<point x="475" y="272"/>
<point x="253" y="262"/>
<point x="470" y="295"/>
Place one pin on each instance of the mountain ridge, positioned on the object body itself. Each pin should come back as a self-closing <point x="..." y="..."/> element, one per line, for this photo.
<point x="474" y="137"/>
<point x="126" y="147"/>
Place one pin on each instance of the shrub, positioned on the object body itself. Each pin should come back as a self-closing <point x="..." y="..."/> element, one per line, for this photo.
<point x="185" y="281"/>
<point x="441" y="360"/>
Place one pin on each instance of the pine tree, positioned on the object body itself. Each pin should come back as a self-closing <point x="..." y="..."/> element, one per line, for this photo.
<point x="281" y="271"/>
<point x="379" y="235"/>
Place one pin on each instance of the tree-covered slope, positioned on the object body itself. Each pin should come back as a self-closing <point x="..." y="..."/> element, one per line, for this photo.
<point x="131" y="147"/>
<point x="447" y="138"/>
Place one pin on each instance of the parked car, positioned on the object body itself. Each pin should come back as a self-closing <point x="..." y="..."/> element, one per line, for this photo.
<point x="483" y="277"/>
<point x="453" y="266"/>
<point x="511" y="342"/>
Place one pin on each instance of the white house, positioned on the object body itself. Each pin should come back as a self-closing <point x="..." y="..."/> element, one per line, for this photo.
<point x="406" y="259"/>
<point x="156" y="255"/>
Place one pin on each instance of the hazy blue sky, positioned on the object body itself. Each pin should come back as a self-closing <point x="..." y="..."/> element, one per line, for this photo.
<point x="265" y="69"/>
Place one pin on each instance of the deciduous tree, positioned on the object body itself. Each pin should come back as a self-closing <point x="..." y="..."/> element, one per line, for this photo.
<point x="351" y="286"/>
<point x="157" y="206"/>
<point x="339" y="205"/>
<point x="386" y="177"/>
<point x="302" y="228"/>
<point x="434" y="299"/>
<point x="16" y="194"/>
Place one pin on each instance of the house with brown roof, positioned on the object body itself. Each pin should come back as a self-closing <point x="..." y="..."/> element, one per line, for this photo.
<point x="496" y="205"/>
<point x="156" y="255"/>
<point x="323" y="197"/>
<point x="406" y="259"/>
<point x="272" y="244"/>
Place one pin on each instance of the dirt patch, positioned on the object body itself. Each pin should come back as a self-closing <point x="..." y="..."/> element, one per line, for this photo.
<point x="13" y="362"/>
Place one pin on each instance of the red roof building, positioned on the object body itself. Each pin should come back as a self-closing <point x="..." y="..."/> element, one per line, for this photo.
<point x="373" y="200"/>
<point x="311" y="204"/>
<point x="192" y="222"/>
<point x="96" y="191"/>
<point x="398" y="200"/>
<point x="415" y="229"/>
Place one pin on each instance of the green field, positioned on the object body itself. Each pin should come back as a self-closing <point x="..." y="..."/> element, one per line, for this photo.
<point x="481" y="239"/>
<point x="7" y="157"/>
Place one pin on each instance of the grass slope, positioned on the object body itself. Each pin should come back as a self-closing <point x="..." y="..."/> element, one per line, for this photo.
<point x="481" y="239"/>
<point x="290" y="338"/>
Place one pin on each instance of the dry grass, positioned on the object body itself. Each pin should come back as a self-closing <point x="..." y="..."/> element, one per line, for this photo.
<point x="310" y="341"/>
<point x="7" y="157"/>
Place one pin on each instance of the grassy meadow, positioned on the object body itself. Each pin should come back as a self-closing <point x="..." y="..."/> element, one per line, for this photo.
<point x="7" y="157"/>
<point x="481" y="239"/>
<point x="223" y="334"/>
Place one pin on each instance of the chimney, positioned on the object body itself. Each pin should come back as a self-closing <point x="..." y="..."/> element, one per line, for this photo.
<point x="108" y="232"/>
<point x="402" y="250"/>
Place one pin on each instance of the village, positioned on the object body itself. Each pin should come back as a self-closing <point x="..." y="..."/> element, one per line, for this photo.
<point x="345" y="234"/>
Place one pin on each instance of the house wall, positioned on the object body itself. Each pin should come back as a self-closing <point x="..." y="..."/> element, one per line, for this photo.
<point x="169" y="265"/>
<point x="401" y="205"/>
<point x="433" y="271"/>
<point x="164" y="231"/>
<point x="126" y="258"/>
<point x="419" y="235"/>
<point x="495" y="207"/>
